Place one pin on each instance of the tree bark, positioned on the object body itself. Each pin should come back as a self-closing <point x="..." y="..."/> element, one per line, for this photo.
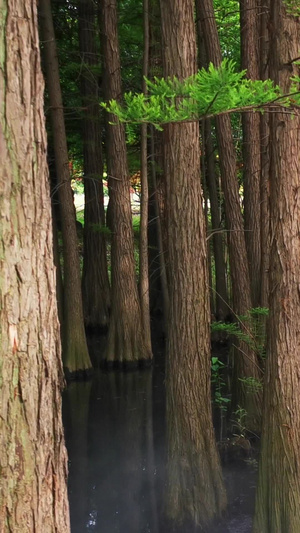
<point x="95" y="283"/>
<point x="278" y="494"/>
<point x="33" y="461"/>
<point x="265" y="157"/>
<point x="143" y="248"/>
<point x="125" y="342"/>
<point x="195" y="490"/>
<point x="222" y="300"/>
<point x="249" y="21"/>
<point x="75" y="352"/>
<point x="246" y="363"/>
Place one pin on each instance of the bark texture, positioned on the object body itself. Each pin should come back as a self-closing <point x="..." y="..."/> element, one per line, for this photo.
<point x="95" y="283"/>
<point x="195" y="489"/>
<point x="278" y="494"/>
<point x="143" y="248"/>
<point x="249" y="20"/>
<point x="75" y="352"/>
<point x="246" y="362"/>
<point x="265" y="157"/>
<point x="33" y="462"/>
<point x="125" y="342"/>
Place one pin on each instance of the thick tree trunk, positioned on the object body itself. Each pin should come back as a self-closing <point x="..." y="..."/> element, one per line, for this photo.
<point x="75" y="352"/>
<point x="95" y="283"/>
<point x="278" y="494"/>
<point x="246" y="361"/>
<point x="126" y="337"/>
<point x="33" y="462"/>
<point x="249" y="21"/>
<point x="195" y="489"/>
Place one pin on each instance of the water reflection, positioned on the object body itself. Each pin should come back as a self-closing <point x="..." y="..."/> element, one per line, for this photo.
<point x="112" y="463"/>
<point x="117" y="458"/>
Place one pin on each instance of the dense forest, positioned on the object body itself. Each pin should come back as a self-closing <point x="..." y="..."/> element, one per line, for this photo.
<point x="149" y="195"/>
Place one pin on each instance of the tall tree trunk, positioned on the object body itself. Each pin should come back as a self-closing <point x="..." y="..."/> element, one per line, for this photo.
<point x="222" y="308"/>
<point x="126" y="336"/>
<point x="265" y="157"/>
<point x="195" y="490"/>
<point x="75" y="352"/>
<point x="278" y="494"/>
<point x="249" y="21"/>
<point x="95" y="283"/>
<point x="143" y="249"/>
<point x="33" y="490"/>
<point x="246" y="361"/>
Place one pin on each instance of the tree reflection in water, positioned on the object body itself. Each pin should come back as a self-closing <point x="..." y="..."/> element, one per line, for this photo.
<point x="117" y="458"/>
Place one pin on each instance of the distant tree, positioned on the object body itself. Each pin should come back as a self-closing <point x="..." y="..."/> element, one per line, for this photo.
<point x="33" y="489"/>
<point x="250" y="55"/>
<point x="278" y="494"/>
<point x="246" y="363"/>
<point x="125" y="342"/>
<point x="75" y="352"/>
<point x="95" y="283"/>
<point x="195" y="490"/>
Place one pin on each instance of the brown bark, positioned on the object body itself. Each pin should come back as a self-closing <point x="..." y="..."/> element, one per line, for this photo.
<point x="265" y="157"/>
<point x="95" y="283"/>
<point x="278" y="494"/>
<point x="195" y="490"/>
<point x="33" y="462"/>
<point x="246" y="361"/>
<point x="75" y="352"/>
<point x="249" y="21"/>
<point x="143" y="248"/>
<point x="222" y="309"/>
<point x="125" y="338"/>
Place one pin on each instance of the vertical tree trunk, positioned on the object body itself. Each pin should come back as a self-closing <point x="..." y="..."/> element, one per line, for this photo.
<point x="222" y="309"/>
<point x="75" y="352"/>
<point x="95" y="283"/>
<point x="195" y="490"/>
<point x="33" y="490"/>
<point x="265" y="157"/>
<point x="278" y="494"/>
<point x="249" y="20"/>
<point x="126" y="336"/>
<point x="246" y="362"/>
<point x="144" y="269"/>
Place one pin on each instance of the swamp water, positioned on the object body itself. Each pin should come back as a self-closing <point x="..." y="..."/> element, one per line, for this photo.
<point x="115" y="436"/>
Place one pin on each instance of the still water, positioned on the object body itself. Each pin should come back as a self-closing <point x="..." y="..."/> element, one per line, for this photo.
<point x="115" y="435"/>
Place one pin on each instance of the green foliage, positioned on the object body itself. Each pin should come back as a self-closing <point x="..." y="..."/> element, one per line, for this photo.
<point x="249" y="329"/>
<point x="292" y="7"/>
<point x="207" y="93"/>
<point x="253" y="385"/>
<point x="219" y="384"/>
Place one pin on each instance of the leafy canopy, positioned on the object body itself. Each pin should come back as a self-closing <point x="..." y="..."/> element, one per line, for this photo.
<point x="207" y="93"/>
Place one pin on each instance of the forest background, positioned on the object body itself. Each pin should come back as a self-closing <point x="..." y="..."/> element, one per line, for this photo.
<point x="218" y="233"/>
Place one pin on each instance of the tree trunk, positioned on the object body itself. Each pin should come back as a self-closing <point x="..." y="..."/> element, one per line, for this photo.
<point x="143" y="249"/>
<point x="75" y="352"/>
<point x="265" y="158"/>
<point x="195" y="490"/>
<point x="126" y="337"/>
<point x="278" y="494"/>
<point x="246" y="362"/>
<point x="222" y="308"/>
<point x="33" y="489"/>
<point x="95" y="283"/>
<point x="249" y="21"/>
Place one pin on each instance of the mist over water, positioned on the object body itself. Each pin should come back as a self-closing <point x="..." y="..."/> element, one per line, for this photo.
<point x="115" y="436"/>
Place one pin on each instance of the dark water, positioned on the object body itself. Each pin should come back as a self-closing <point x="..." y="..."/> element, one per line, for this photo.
<point x="115" y="434"/>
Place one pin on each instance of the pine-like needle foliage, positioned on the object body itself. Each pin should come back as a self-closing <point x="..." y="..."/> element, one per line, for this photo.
<point x="207" y="93"/>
